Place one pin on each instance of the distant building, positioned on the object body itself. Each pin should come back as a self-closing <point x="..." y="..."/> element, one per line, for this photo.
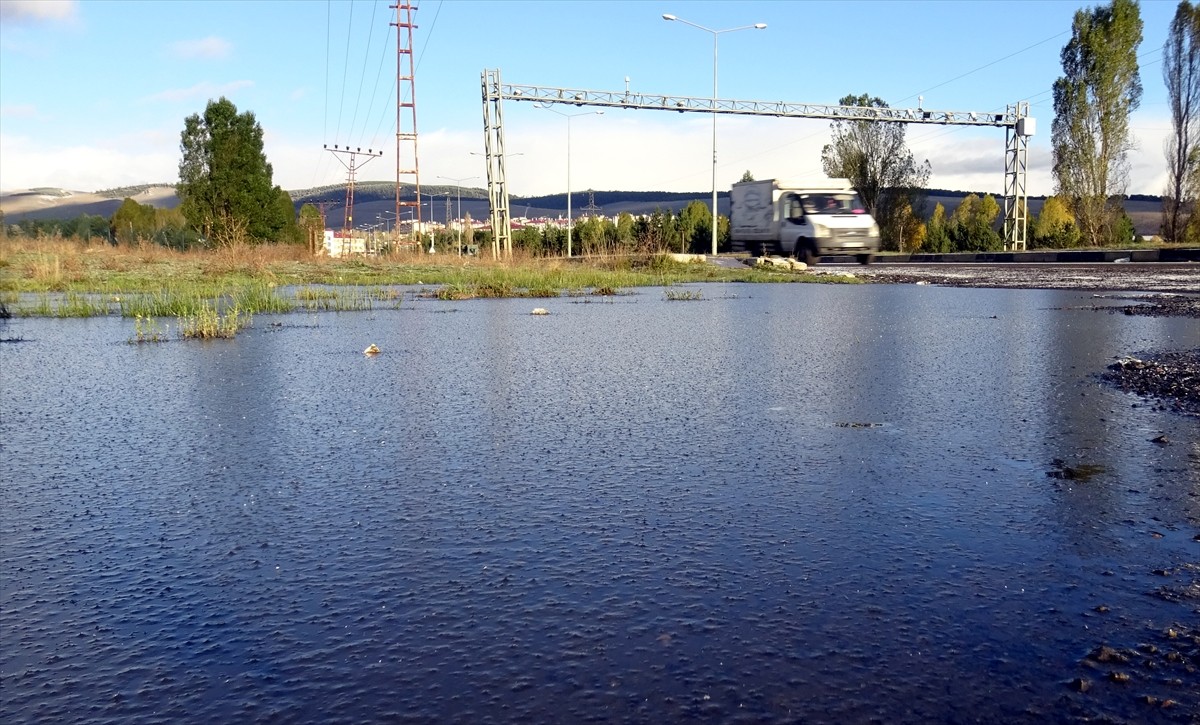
<point x="343" y="244"/>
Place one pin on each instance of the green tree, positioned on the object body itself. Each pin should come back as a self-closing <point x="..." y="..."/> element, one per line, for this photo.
<point x="657" y="232"/>
<point x="225" y="186"/>
<point x="1099" y="88"/>
<point x="747" y="176"/>
<point x="529" y="239"/>
<point x="909" y="228"/>
<point x="694" y="227"/>
<point x="132" y="222"/>
<point x="972" y="225"/>
<point x="1181" y="72"/>
<point x="589" y="232"/>
<point x="874" y="156"/>
<point x="1055" y="225"/>
<point x="937" y="236"/>
<point x="284" y="215"/>
<point x="625" y="229"/>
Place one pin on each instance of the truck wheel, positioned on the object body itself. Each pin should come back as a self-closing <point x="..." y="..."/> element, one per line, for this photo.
<point x="808" y="248"/>
<point x="864" y="258"/>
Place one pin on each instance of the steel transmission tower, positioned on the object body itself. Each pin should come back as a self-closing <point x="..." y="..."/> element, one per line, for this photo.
<point x="406" y="136"/>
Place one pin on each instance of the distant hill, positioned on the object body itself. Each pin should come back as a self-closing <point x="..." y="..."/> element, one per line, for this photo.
<point x="47" y="203"/>
<point x="374" y="202"/>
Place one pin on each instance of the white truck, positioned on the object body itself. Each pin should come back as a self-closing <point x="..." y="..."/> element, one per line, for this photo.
<point x="801" y="219"/>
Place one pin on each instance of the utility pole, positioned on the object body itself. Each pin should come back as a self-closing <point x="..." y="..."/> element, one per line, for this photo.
<point x="322" y="207"/>
<point x="352" y="166"/>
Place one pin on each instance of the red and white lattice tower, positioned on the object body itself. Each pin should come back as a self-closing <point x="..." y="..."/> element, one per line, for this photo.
<point x="406" y="113"/>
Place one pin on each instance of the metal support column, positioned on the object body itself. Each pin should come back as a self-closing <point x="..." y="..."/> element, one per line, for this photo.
<point x="493" y="147"/>
<point x="1016" y="164"/>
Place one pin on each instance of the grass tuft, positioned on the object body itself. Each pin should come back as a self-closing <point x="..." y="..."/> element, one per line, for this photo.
<point x="209" y="324"/>
<point x="148" y="329"/>
<point x="683" y="295"/>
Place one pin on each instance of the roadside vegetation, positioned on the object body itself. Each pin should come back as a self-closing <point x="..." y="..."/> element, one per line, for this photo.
<point x="76" y="278"/>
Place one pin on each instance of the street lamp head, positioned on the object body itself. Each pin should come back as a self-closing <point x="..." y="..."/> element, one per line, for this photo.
<point x="760" y="26"/>
<point x="668" y="16"/>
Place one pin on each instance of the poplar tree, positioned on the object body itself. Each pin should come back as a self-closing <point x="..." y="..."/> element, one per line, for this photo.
<point x="1181" y="73"/>
<point x="1099" y="88"/>
<point x="225" y="187"/>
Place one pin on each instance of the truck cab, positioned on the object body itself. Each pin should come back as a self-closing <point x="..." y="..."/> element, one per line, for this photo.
<point x="815" y="223"/>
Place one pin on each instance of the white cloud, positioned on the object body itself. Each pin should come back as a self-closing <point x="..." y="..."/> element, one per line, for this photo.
<point x="210" y="48"/>
<point x="205" y="89"/>
<point x="28" y="12"/>
<point x="298" y="94"/>
<point x="83" y="167"/>
<point x="19" y="110"/>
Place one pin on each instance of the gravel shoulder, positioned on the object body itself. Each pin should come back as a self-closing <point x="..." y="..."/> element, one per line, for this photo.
<point x="1133" y="277"/>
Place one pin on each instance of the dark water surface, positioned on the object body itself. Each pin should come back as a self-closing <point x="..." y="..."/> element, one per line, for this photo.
<point x="778" y="504"/>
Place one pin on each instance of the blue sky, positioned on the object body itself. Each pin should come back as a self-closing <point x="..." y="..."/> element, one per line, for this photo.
<point x="93" y="94"/>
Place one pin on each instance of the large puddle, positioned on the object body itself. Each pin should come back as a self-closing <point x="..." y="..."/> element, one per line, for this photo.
<point x="777" y="503"/>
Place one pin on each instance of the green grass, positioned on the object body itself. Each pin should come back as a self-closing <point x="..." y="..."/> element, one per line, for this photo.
<point x="148" y="329"/>
<point x="683" y="295"/>
<point x="256" y="298"/>
<point x="209" y="324"/>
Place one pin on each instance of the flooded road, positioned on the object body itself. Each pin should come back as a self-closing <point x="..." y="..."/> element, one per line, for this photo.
<point x="776" y="503"/>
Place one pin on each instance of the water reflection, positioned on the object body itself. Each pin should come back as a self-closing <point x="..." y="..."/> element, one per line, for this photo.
<point x="778" y="503"/>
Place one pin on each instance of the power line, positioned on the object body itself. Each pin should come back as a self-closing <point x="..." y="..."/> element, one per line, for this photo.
<point x="345" y="71"/>
<point x="383" y="56"/>
<point x="362" y="76"/>
<point x="986" y="65"/>
<point x="325" y="101"/>
<point x="391" y="96"/>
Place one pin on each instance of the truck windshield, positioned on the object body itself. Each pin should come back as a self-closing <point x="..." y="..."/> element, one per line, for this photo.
<point x="839" y="203"/>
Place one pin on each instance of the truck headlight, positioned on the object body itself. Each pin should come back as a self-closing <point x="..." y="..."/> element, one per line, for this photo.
<point x="820" y="231"/>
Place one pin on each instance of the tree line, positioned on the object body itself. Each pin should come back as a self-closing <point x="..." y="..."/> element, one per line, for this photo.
<point x="1093" y="99"/>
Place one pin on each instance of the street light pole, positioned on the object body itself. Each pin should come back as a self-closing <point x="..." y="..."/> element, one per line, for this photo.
<point x="458" y="188"/>
<point x="715" y="33"/>
<point x="569" y="116"/>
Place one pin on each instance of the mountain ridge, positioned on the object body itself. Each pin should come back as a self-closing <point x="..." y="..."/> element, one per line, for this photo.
<point x="375" y="202"/>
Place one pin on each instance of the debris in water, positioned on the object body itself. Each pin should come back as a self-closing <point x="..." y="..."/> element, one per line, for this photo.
<point x="1081" y="472"/>
<point x="372" y="350"/>
<point x="540" y="311"/>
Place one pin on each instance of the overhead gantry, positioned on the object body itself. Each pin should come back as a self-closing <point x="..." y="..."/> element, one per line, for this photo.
<point x="1015" y="120"/>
